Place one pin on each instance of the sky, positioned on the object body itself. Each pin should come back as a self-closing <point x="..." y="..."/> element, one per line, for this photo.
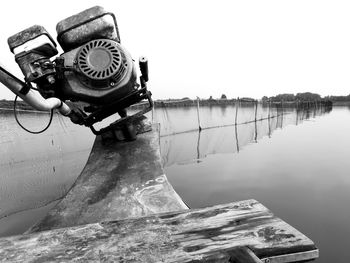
<point x="209" y="48"/>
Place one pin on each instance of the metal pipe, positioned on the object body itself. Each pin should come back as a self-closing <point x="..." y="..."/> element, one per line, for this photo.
<point x="30" y="96"/>
<point x="34" y="99"/>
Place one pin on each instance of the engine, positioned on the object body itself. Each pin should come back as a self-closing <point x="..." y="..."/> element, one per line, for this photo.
<point x="94" y="69"/>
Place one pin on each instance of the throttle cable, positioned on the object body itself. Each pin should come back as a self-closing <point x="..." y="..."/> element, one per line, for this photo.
<point x="24" y="128"/>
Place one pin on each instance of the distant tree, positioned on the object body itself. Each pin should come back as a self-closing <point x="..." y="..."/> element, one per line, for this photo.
<point x="223" y="97"/>
<point x="211" y="98"/>
<point x="338" y="98"/>
<point x="247" y="99"/>
<point x="307" y="96"/>
<point x="283" y="97"/>
<point x="265" y="98"/>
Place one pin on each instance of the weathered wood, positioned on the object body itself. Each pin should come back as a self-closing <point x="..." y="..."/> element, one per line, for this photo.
<point x="120" y="180"/>
<point x="244" y="255"/>
<point x="306" y="256"/>
<point x="202" y="235"/>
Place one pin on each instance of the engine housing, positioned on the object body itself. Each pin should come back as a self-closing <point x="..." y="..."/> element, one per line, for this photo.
<point x="94" y="69"/>
<point x="101" y="71"/>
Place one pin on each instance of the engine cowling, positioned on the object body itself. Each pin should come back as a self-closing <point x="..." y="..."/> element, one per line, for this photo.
<point x="102" y="70"/>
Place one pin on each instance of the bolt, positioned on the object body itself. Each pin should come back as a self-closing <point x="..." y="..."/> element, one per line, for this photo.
<point x="112" y="84"/>
<point x="267" y="260"/>
<point x="75" y="61"/>
<point x="51" y="79"/>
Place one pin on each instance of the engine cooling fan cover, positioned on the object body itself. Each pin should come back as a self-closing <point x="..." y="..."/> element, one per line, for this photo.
<point x="100" y="60"/>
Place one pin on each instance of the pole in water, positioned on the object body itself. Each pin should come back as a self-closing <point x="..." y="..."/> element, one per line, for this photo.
<point x="282" y="119"/>
<point x="269" y="124"/>
<point x="256" y="109"/>
<point x="282" y="106"/>
<point x="297" y="111"/>
<point x="236" y="135"/>
<point x="199" y="121"/>
<point x="237" y="102"/>
<point x="198" y="146"/>
<point x="256" y="132"/>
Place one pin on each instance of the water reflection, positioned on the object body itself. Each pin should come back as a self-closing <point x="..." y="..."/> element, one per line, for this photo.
<point x="301" y="173"/>
<point x="37" y="170"/>
<point x="195" y="145"/>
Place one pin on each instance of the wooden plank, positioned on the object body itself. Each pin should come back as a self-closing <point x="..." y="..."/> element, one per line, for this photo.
<point x="203" y="235"/>
<point x="243" y="255"/>
<point x="305" y="256"/>
<point x="120" y="180"/>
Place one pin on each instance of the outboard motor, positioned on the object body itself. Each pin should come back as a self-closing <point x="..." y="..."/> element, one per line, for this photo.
<point x="95" y="70"/>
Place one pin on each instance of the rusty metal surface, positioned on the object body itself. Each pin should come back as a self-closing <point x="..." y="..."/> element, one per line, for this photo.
<point x="120" y="180"/>
<point x="92" y="23"/>
<point x="28" y="34"/>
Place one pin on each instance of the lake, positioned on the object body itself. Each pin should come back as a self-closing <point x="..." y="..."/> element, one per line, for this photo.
<point x="295" y="163"/>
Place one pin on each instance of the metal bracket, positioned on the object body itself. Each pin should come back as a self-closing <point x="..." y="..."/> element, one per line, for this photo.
<point x="124" y="121"/>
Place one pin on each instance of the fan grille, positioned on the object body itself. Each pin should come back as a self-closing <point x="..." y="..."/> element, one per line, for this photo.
<point x="101" y="59"/>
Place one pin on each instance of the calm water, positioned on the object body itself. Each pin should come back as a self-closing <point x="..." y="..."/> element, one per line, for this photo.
<point x="37" y="170"/>
<point x="296" y="164"/>
<point x="300" y="172"/>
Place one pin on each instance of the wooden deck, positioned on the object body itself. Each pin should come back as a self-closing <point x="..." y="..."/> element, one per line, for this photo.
<point x="243" y="231"/>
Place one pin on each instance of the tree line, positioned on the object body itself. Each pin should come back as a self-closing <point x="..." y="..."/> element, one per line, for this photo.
<point x="338" y="98"/>
<point x="303" y="96"/>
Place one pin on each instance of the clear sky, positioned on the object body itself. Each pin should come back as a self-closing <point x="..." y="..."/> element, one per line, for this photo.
<point x="202" y="48"/>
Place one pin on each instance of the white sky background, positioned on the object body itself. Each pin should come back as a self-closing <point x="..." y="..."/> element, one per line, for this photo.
<point x="203" y="48"/>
